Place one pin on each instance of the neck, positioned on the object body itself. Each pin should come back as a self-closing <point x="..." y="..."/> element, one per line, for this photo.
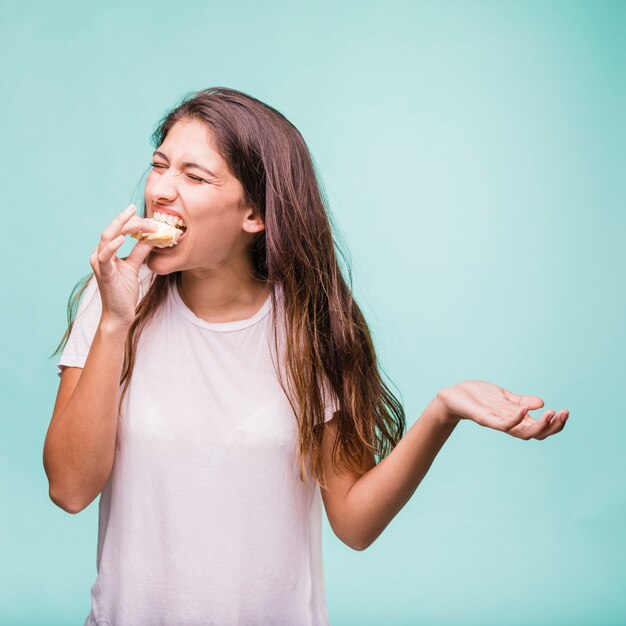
<point x="225" y="295"/>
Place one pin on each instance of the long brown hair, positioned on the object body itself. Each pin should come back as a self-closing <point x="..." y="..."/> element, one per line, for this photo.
<point x="327" y="337"/>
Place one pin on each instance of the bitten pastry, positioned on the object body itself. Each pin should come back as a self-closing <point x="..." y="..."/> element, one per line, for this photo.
<point x="166" y="236"/>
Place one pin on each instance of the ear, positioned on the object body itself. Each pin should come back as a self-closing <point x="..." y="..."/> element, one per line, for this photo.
<point x="252" y="222"/>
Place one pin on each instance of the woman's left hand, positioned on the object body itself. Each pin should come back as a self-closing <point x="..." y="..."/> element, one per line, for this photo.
<point x="500" y="409"/>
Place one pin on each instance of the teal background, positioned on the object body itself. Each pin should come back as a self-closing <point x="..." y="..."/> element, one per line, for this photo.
<point x="473" y="156"/>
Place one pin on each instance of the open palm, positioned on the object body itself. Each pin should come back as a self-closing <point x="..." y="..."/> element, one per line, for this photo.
<point x="495" y="407"/>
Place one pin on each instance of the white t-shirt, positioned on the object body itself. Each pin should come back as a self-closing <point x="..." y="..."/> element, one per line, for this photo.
<point x="204" y="519"/>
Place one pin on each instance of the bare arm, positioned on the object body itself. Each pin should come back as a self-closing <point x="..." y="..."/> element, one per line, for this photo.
<point x="361" y="506"/>
<point x="80" y="443"/>
<point x="379" y="494"/>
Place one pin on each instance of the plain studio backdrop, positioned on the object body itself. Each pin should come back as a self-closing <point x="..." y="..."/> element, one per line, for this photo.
<point x="473" y="155"/>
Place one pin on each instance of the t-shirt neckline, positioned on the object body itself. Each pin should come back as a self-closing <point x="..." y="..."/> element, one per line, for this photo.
<point x="223" y="327"/>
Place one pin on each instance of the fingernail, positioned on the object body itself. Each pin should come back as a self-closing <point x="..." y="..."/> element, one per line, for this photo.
<point x="131" y="209"/>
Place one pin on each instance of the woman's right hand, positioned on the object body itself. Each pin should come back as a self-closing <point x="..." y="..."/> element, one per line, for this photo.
<point x="118" y="279"/>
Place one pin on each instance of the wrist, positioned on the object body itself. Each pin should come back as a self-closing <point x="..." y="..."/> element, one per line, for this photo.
<point x="113" y="327"/>
<point x="440" y="411"/>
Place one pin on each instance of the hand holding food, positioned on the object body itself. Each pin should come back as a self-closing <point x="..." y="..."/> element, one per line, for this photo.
<point x="118" y="279"/>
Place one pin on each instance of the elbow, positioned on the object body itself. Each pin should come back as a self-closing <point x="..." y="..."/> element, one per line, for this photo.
<point x="363" y="542"/>
<point x="68" y="507"/>
<point x="351" y="535"/>
<point x="54" y="495"/>
<point x="354" y="546"/>
<point x="72" y="510"/>
<point x="359" y="546"/>
<point x="356" y="543"/>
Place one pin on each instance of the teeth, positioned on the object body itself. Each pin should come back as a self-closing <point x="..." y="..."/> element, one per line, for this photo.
<point x="168" y="219"/>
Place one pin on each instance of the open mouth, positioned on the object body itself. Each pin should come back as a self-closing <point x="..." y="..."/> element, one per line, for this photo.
<point x="166" y="235"/>
<point x="172" y="220"/>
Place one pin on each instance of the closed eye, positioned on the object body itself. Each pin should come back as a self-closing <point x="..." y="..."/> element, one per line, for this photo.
<point x="196" y="178"/>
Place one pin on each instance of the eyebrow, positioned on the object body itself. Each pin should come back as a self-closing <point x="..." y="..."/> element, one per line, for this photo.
<point x="187" y="164"/>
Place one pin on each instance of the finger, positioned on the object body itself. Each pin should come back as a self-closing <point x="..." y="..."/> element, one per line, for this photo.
<point x="516" y="418"/>
<point x="138" y="255"/>
<point x="557" y="424"/>
<point x="532" y="402"/>
<point x="503" y="420"/>
<point x="114" y="229"/>
<point x="541" y="426"/>
<point x="545" y="426"/>
<point x="555" y="427"/>
<point x="93" y="259"/>
<point x="106" y="256"/>
<point x="137" y="224"/>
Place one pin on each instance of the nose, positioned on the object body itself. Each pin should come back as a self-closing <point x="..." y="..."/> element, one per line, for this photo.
<point x="162" y="186"/>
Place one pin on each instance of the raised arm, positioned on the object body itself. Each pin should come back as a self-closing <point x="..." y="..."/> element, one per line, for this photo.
<point x="80" y="443"/>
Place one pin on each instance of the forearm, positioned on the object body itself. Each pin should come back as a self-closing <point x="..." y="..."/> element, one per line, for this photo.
<point x="377" y="496"/>
<point x="80" y="444"/>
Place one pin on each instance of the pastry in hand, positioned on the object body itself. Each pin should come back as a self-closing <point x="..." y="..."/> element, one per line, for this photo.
<point x="166" y="235"/>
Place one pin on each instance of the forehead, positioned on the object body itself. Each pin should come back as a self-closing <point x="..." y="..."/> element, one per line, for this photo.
<point x="192" y="140"/>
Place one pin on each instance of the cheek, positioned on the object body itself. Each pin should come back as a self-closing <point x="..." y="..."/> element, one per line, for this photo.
<point x="150" y="180"/>
<point x="212" y="210"/>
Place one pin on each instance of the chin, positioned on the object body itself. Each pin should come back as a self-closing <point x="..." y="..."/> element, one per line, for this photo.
<point x="159" y="265"/>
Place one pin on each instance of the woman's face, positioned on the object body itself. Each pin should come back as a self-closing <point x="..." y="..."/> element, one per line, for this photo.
<point x="192" y="180"/>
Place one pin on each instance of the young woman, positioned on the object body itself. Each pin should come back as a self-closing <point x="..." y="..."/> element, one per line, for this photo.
<point x="216" y="392"/>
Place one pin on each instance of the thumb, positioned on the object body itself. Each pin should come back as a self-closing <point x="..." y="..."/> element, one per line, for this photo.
<point x="138" y="254"/>
<point x="532" y="402"/>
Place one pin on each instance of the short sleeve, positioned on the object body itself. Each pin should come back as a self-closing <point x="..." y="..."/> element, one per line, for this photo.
<point x="84" y="328"/>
